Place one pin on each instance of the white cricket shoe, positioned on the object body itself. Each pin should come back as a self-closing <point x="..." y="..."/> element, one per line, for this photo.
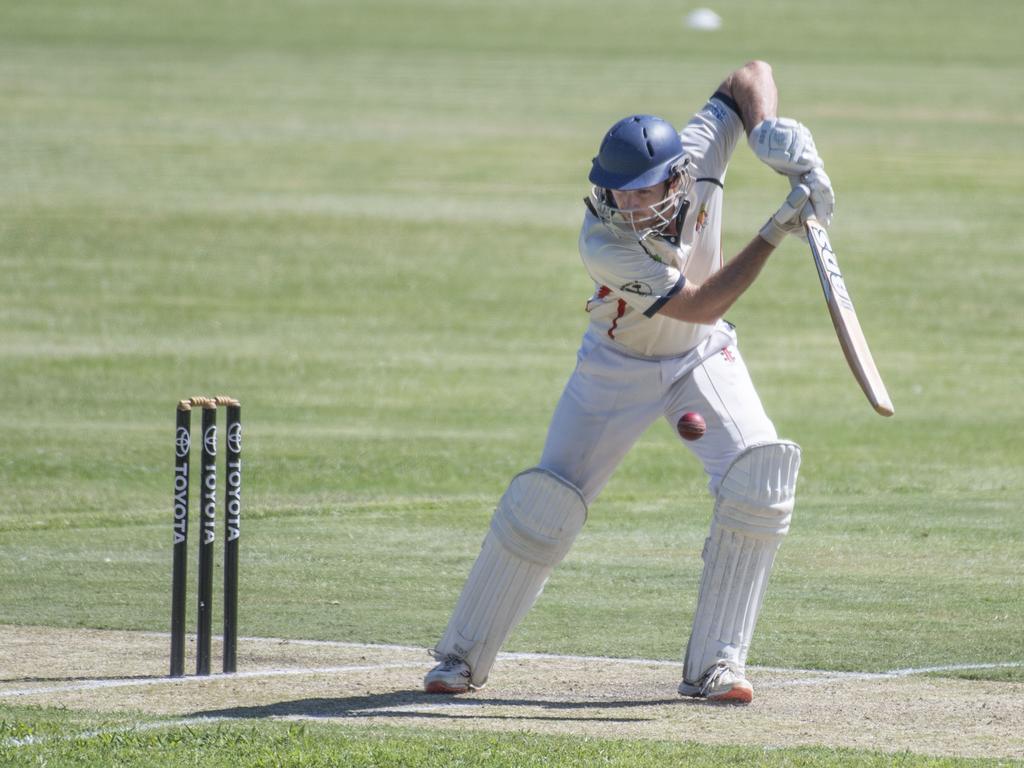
<point x="722" y="682"/>
<point x="450" y="676"/>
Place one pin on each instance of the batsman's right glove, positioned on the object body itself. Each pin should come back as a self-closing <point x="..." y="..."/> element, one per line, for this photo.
<point x="823" y="198"/>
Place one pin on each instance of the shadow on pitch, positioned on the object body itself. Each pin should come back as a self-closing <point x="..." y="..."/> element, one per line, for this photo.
<point x="417" y="705"/>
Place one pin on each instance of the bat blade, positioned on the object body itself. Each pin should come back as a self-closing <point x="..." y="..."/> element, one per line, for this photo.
<point x="844" y="318"/>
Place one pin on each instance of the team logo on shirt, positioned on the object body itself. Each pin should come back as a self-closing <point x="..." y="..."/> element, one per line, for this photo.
<point x="640" y="289"/>
<point x="702" y="218"/>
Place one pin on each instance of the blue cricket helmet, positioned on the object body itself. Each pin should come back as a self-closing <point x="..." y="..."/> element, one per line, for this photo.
<point x="638" y="151"/>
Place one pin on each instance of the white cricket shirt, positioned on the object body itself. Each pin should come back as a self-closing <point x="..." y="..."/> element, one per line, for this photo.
<point x="630" y="285"/>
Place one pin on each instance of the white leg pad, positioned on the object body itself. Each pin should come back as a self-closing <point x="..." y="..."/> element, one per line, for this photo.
<point x="752" y="514"/>
<point x="532" y="529"/>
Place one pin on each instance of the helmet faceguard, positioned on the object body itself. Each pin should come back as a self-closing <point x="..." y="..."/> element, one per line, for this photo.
<point x="637" y="152"/>
<point x="664" y="218"/>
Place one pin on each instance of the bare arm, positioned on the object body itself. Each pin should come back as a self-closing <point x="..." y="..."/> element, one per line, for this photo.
<point x="753" y="88"/>
<point x="709" y="301"/>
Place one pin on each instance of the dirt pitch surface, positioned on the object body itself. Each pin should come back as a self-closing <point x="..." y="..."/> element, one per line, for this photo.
<point x="107" y="672"/>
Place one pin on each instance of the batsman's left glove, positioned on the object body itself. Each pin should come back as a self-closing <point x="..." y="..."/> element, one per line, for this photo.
<point x="785" y="145"/>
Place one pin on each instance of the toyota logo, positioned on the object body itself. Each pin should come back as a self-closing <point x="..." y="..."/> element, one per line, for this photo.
<point x="210" y="441"/>
<point x="182" y="443"/>
<point x="235" y="438"/>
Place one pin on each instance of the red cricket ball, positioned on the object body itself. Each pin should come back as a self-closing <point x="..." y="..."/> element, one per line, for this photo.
<point x="691" y="426"/>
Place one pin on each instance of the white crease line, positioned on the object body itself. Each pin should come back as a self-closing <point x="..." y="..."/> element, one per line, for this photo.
<point x="90" y="685"/>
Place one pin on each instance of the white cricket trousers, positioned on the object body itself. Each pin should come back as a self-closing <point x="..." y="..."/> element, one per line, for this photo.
<point x="612" y="398"/>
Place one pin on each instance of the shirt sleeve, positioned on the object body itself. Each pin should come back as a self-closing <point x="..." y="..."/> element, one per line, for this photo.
<point x="630" y="274"/>
<point x="711" y="137"/>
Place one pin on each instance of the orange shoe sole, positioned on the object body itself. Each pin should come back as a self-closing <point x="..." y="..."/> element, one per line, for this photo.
<point x="439" y="687"/>
<point x="737" y="695"/>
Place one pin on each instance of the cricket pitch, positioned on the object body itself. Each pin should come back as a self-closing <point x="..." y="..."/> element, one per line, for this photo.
<point x="114" y="671"/>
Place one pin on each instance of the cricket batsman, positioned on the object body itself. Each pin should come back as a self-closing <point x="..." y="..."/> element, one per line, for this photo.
<point x="657" y="345"/>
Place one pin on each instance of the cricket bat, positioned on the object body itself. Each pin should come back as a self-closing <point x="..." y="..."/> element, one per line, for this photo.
<point x="844" y="318"/>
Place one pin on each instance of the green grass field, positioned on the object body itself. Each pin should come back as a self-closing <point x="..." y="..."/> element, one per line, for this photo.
<point x="361" y="220"/>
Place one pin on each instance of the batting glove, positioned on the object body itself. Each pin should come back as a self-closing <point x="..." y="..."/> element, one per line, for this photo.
<point x="790" y="218"/>
<point x="785" y="145"/>
<point x="823" y="197"/>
